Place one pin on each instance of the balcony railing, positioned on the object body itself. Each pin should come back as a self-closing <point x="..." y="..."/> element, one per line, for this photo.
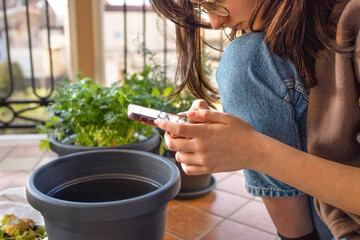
<point x="7" y="102"/>
<point x="21" y="113"/>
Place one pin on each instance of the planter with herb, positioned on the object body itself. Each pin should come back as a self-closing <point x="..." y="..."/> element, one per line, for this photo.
<point x="86" y="115"/>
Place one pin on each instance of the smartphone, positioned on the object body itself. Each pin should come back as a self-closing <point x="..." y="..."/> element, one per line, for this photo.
<point x="148" y="115"/>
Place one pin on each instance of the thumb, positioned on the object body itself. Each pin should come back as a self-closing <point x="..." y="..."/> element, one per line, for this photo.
<point x="208" y="116"/>
<point x="199" y="104"/>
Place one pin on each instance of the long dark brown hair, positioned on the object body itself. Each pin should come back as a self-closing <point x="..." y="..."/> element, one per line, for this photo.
<point x="295" y="30"/>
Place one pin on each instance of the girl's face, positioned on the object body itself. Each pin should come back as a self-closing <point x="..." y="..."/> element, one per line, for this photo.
<point x="240" y="13"/>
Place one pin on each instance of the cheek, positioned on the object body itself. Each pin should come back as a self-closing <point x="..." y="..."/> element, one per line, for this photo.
<point x="242" y="9"/>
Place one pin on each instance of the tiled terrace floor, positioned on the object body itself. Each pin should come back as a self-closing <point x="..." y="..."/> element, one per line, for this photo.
<point x="226" y="213"/>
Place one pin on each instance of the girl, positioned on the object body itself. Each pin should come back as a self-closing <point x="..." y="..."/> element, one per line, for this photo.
<point x="264" y="79"/>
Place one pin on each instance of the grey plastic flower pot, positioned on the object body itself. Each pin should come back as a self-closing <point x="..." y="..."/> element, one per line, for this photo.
<point x="150" y="144"/>
<point x="192" y="186"/>
<point x="107" y="195"/>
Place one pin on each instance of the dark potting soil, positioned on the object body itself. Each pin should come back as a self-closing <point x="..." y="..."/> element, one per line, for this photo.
<point x="104" y="189"/>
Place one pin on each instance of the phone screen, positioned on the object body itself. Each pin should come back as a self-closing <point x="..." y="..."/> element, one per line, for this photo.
<point x="148" y="115"/>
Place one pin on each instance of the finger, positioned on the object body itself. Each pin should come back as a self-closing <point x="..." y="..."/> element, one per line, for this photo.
<point x="188" y="130"/>
<point x="189" y="120"/>
<point x="199" y="104"/>
<point x="192" y="162"/>
<point x="184" y="114"/>
<point x="186" y="158"/>
<point x="179" y="144"/>
<point x="173" y="136"/>
<point x="209" y="116"/>
<point x="193" y="169"/>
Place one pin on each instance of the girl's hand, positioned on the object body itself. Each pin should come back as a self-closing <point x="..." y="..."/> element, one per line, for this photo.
<point x="221" y="142"/>
<point x="199" y="104"/>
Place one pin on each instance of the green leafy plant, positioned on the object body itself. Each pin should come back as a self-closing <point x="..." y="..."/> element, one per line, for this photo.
<point x="14" y="228"/>
<point x="89" y="114"/>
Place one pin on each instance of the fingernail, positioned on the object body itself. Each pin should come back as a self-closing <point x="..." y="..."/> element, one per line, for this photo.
<point x="182" y="113"/>
<point x="191" y="114"/>
<point x="156" y="122"/>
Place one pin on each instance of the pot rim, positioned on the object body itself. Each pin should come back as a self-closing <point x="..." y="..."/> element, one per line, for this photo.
<point x="149" y="201"/>
<point x="153" y="140"/>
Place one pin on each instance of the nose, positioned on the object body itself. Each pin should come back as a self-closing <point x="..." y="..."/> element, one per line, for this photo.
<point x="216" y="21"/>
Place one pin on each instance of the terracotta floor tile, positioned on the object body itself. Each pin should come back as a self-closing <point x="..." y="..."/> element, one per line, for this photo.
<point x="218" y="202"/>
<point x="23" y="158"/>
<point x="188" y="222"/>
<point x="234" y="184"/>
<point x="19" y="163"/>
<point x="169" y="236"/>
<point x="173" y="204"/>
<point x="13" y="179"/>
<point x="255" y="214"/>
<point x="5" y="174"/>
<point x="47" y="157"/>
<point x="51" y="154"/>
<point x="229" y="230"/>
<point x="26" y="151"/>
<point x="4" y="151"/>
<point x="220" y="176"/>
